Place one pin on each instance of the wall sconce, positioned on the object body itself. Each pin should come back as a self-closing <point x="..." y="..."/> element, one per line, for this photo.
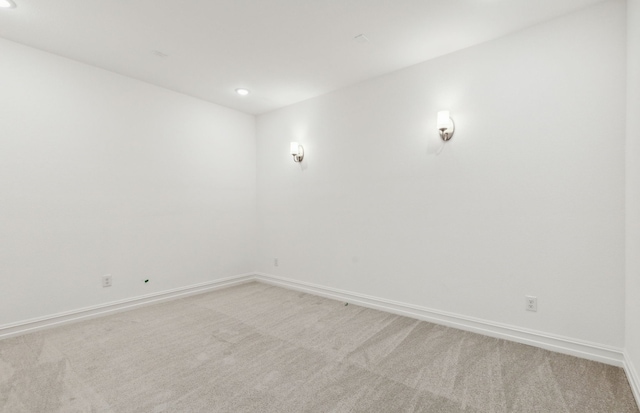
<point x="297" y="151"/>
<point x="446" y="127"/>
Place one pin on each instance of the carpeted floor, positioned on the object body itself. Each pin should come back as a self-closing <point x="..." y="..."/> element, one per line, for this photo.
<point x="258" y="348"/>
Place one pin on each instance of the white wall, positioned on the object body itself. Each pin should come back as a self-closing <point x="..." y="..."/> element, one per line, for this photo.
<point x="633" y="187"/>
<point x="527" y="198"/>
<point x="105" y="174"/>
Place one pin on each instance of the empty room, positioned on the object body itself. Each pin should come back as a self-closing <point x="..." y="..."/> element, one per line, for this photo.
<point x="320" y="206"/>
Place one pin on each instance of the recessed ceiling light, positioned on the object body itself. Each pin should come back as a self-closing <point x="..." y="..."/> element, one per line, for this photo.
<point x="7" y="4"/>
<point x="242" y="91"/>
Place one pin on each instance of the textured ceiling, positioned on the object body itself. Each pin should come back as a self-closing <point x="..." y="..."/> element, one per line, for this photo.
<point x="284" y="51"/>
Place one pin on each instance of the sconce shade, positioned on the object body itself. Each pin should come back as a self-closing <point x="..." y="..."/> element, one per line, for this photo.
<point x="444" y="119"/>
<point x="446" y="127"/>
<point x="297" y="151"/>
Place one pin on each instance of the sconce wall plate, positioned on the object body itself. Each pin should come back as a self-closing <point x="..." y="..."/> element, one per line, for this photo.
<point x="297" y="151"/>
<point x="446" y="126"/>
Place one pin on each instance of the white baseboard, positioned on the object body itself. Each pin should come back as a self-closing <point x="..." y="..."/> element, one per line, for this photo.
<point x="632" y="377"/>
<point x="40" y="323"/>
<point x="583" y="349"/>
<point x="574" y="347"/>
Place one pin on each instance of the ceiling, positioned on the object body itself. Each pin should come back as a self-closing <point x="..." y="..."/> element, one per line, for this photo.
<point x="283" y="51"/>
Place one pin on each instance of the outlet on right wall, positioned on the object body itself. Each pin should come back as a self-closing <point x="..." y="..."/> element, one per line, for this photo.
<point x="632" y="345"/>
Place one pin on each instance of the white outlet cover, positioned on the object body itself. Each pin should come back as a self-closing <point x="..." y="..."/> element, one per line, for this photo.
<point x="531" y="303"/>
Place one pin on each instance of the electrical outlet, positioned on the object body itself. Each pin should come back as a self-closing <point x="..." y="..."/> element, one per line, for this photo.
<point x="531" y="303"/>
<point x="106" y="280"/>
<point x="275" y="262"/>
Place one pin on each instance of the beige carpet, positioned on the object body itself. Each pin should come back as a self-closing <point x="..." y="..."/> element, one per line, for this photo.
<point x="258" y="348"/>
